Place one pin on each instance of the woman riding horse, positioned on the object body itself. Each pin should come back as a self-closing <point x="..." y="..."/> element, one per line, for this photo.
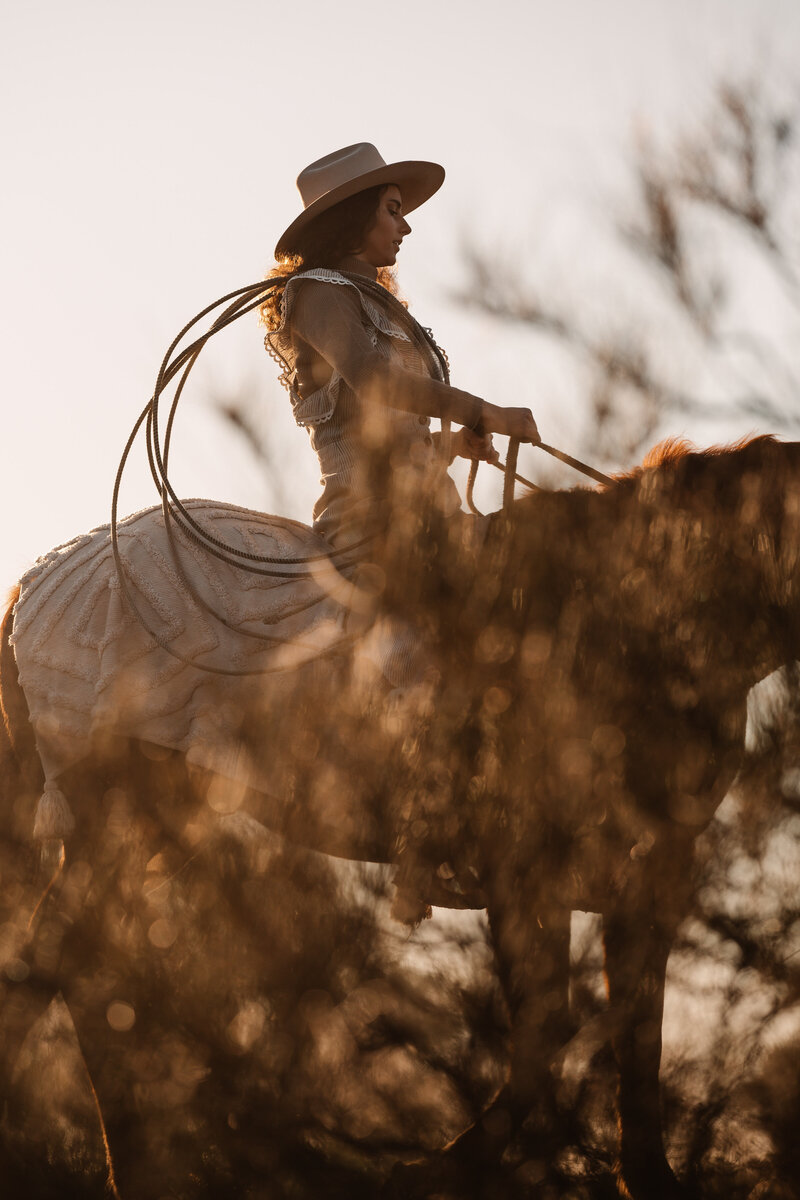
<point x="590" y="717"/>
<point x="363" y="377"/>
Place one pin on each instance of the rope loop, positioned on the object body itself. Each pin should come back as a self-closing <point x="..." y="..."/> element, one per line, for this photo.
<point x="179" y="363"/>
<point x="473" y="475"/>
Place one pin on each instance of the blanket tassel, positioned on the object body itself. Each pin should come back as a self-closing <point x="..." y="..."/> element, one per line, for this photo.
<point x="54" y="820"/>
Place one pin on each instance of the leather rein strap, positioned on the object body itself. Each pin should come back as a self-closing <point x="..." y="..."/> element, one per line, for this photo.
<point x="423" y="337"/>
<point x="509" y="468"/>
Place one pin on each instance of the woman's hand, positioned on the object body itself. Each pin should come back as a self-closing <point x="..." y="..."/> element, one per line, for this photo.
<point x="513" y="422"/>
<point x="465" y="443"/>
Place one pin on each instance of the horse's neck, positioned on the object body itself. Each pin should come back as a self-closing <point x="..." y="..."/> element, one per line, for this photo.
<point x="670" y="582"/>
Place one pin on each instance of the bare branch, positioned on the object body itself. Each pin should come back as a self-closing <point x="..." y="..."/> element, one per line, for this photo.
<point x="731" y="175"/>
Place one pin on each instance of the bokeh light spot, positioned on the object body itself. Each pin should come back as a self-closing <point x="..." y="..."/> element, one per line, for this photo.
<point x="121" y="1016"/>
<point x="162" y="933"/>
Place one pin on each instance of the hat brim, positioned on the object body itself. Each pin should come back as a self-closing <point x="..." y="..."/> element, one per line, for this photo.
<point x="416" y="180"/>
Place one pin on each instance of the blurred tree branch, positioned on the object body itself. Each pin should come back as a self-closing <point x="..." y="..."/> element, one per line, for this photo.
<point x="710" y="247"/>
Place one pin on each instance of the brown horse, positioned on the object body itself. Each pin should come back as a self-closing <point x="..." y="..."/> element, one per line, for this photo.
<point x="587" y="718"/>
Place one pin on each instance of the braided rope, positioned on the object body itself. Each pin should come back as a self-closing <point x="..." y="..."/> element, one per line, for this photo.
<point x="473" y="475"/>
<point x="240" y="302"/>
<point x="244" y="301"/>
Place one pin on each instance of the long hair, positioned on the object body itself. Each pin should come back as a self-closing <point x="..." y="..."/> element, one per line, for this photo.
<point x="328" y="239"/>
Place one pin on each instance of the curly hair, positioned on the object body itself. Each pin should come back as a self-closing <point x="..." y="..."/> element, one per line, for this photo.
<point x="328" y="239"/>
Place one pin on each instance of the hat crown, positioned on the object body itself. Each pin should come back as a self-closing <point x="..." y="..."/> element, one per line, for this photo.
<point x="338" y="176"/>
<point x="334" y="170"/>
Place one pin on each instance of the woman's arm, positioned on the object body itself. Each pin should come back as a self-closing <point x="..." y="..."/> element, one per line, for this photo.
<point x="328" y="318"/>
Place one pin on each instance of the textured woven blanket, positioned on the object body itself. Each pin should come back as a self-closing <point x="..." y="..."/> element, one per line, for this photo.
<point x="86" y="662"/>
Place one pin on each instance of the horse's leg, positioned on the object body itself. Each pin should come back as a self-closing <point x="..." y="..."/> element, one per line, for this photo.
<point x="111" y="1057"/>
<point x="22" y="1003"/>
<point x="27" y="984"/>
<point x="150" y="1022"/>
<point x="532" y="942"/>
<point x="104" y="988"/>
<point x="536" y="988"/>
<point x="509" y="1151"/>
<point x="637" y="937"/>
<point x="33" y="935"/>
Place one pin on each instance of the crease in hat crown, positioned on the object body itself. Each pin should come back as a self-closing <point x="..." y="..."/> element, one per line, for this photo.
<point x="320" y="177"/>
<point x="343" y="173"/>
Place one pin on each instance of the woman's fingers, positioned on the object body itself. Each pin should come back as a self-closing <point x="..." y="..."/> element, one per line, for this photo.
<point x="523" y="425"/>
<point x="513" y="422"/>
<point x="477" y="445"/>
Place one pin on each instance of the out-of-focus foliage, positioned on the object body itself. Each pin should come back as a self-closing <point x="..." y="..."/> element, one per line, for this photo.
<point x="732" y="1057"/>
<point x="245" y="1012"/>
<point x="251" y="1006"/>
<point x="697" y="324"/>
<point x="693" y="315"/>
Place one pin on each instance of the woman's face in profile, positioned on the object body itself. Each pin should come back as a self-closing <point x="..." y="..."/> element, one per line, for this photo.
<point x="382" y="240"/>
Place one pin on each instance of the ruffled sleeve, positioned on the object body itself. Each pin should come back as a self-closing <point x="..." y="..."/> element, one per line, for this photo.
<point x="329" y="314"/>
<point x="366" y="350"/>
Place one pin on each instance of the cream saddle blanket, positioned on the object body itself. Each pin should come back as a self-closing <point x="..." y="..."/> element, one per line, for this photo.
<point x="87" y="663"/>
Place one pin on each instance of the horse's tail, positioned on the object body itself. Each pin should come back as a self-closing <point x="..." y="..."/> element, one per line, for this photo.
<point x="21" y="775"/>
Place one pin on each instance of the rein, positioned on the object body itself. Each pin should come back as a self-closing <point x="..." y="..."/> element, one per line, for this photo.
<point x="511" y="476"/>
<point x="243" y="300"/>
<point x="576" y="463"/>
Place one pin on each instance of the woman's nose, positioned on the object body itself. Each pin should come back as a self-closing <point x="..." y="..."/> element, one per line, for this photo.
<point x="406" y="227"/>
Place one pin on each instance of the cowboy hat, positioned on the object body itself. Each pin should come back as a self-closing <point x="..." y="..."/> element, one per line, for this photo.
<point x="353" y="169"/>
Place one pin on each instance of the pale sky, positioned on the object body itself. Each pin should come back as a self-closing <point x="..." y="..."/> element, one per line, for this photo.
<point x="150" y="153"/>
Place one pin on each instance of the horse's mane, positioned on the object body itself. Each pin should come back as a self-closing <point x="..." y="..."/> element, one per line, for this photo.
<point x="702" y="481"/>
<point x="675" y="459"/>
<point x="674" y="450"/>
<point x="673" y="473"/>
